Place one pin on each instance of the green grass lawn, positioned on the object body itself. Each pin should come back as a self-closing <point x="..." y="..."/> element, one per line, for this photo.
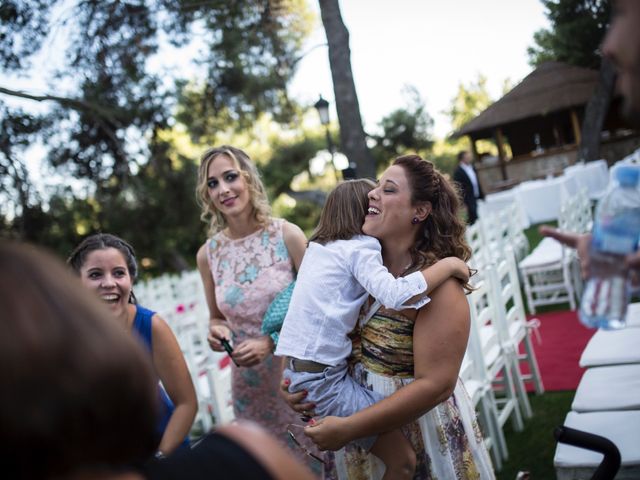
<point x="533" y="448"/>
<point x="534" y="236"/>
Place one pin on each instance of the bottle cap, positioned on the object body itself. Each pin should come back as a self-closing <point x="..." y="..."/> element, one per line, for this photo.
<point x="628" y="175"/>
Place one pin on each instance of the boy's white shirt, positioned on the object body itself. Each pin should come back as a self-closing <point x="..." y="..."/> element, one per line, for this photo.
<point x="333" y="283"/>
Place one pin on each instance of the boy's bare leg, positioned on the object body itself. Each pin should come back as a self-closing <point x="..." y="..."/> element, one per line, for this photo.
<point x="397" y="454"/>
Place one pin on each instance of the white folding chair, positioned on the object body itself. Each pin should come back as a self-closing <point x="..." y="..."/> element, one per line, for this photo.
<point x="551" y="273"/>
<point x="633" y="315"/>
<point x="495" y="229"/>
<point x="614" y="347"/>
<point x="158" y="295"/>
<point x="483" y="400"/>
<point x="615" y="387"/>
<point x="480" y="255"/>
<point x="210" y="372"/>
<point x="620" y="427"/>
<point x="517" y="239"/>
<point x="513" y="327"/>
<point x="491" y="358"/>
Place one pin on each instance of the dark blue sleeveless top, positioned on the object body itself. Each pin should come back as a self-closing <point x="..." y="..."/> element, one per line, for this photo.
<point x="142" y="327"/>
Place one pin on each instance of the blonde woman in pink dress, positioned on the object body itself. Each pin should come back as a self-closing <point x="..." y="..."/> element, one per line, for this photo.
<point x="247" y="260"/>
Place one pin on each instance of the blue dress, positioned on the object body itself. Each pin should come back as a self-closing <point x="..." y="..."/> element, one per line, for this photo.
<point x="142" y="327"/>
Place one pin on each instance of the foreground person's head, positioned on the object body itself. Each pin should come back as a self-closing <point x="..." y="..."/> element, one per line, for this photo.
<point x="622" y="46"/>
<point x="79" y="395"/>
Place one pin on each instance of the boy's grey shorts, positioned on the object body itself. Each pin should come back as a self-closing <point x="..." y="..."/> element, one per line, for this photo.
<point x="334" y="393"/>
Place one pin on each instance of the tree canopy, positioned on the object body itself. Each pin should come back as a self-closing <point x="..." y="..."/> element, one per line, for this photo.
<point x="108" y="104"/>
<point x="577" y="28"/>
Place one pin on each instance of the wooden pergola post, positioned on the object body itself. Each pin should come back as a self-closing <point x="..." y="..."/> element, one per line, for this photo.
<point x="501" y="154"/>
<point x="575" y="125"/>
<point x="474" y="148"/>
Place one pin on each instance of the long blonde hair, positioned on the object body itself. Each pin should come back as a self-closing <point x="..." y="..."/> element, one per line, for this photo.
<point x="257" y="193"/>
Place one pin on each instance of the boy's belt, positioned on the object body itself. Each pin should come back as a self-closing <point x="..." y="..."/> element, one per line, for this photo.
<point x="308" y="366"/>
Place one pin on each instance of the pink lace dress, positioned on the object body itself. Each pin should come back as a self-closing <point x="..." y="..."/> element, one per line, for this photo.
<point x="248" y="273"/>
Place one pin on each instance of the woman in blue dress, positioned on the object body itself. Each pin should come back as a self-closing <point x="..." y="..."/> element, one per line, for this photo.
<point x="107" y="265"/>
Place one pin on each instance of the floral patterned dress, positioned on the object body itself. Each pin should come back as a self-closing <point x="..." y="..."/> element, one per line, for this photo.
<point x="447" y="439"/>
<point x="248" y="273"/>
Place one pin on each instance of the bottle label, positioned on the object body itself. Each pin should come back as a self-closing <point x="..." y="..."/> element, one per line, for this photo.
<point x="617" y="235"/>
<point x="616" y="243"/>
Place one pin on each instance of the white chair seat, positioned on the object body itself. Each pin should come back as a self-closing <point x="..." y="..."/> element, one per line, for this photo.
<point x="633" y="315"/>
<point x="608" y="388"/>
<point x="613" y="347"/>
<point x="620" y="427"/>
<point x="547" y="252"/>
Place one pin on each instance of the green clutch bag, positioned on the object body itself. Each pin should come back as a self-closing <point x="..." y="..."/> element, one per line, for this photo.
<point x="277" y="310"/>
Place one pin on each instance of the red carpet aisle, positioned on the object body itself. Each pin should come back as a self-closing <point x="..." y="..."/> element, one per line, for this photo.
<point x="563" y="341"/>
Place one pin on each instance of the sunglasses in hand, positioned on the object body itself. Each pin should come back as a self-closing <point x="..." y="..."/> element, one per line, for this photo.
<point x="227" y="346"/>
<point x="293" y="426"/>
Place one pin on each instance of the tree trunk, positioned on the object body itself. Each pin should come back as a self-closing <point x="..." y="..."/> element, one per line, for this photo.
<point x="352" y="137"/>
<point x="596" y="112"/>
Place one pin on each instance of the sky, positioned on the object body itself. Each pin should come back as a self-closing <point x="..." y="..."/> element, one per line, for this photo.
<point x="433" y="45"/>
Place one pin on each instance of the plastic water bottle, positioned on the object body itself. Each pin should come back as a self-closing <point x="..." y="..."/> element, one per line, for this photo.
<point x="615" y="235"/>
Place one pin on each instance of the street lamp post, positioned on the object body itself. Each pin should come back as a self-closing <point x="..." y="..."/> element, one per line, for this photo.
<point x="322" y="106"/>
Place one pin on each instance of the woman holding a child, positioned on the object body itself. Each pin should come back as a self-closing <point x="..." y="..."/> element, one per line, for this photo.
<point x="411" y="356"/>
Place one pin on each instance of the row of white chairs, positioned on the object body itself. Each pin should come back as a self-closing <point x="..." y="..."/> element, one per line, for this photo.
<point x="491" y="369"/>
<point x="607" y="402"/>
<point x="492" y="233"/>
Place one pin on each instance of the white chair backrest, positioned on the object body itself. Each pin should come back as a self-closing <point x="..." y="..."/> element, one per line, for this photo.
<point x="517" y="239"/>
<point x="505" y="286"/>
<point x="474" y="235"/>
<point x="483" y="318"/>
<point x="575" y="213"/>
<point x="496" y="231"/>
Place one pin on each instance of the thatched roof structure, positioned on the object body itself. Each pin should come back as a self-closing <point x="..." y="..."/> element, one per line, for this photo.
<point x="551" y="87"/>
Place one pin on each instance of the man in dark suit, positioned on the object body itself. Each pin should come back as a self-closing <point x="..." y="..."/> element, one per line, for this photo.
<point x="467" y="178"/>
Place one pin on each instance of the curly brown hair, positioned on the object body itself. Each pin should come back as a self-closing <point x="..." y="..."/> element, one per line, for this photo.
<point x="442" y="233"/>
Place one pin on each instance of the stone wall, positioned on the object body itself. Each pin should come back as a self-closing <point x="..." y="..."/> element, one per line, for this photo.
<point x="547" y="163"/>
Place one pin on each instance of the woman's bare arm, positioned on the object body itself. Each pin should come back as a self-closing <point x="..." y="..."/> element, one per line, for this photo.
<point x="172" y="370"/>
<point x="296" y="243"/>
<point x="439" y="341"/>
<point x="218" y="327"/>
